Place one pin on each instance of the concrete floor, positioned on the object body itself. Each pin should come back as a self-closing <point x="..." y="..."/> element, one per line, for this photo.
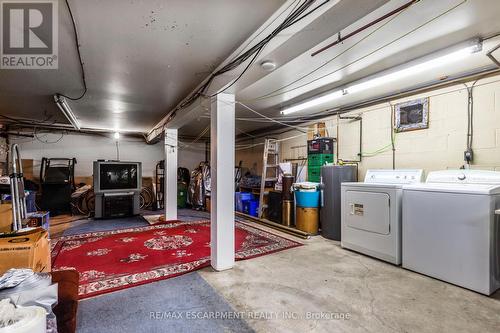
<point x="322" y="279"/>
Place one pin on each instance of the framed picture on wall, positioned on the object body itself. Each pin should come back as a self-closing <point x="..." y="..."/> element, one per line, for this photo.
<point x="412" y="115"/>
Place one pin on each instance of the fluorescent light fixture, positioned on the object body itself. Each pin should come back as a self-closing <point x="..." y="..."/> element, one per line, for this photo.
<point x="116" y="135"/>
<point x="66" y="110"/>
<point x="314" y="102"/>
<point x="412" y="70"/>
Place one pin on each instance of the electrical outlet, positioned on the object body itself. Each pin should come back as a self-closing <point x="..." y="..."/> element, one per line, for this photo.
<point x="468" y="156"/>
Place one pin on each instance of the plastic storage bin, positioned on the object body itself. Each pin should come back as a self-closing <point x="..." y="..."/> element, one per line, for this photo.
<point x="241" y="198"/>
<point x="182" y="195"/>
<point x="307" y="199"/>
<point x="314" y="173"/>
<point x="319" y="159"/>
<point x="253" y="208"/>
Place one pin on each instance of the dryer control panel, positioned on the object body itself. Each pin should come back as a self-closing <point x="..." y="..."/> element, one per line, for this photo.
<point x="398" y="176"/>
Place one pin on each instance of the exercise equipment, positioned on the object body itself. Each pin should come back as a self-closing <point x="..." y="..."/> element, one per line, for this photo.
<point x="57" y="177"/>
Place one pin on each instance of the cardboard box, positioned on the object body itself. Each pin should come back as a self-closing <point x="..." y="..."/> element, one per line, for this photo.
<point x="27" y="168"/>
<point x="25" y="250"/>
<point x="317" y="130"/>
<point x="5" y="217"/>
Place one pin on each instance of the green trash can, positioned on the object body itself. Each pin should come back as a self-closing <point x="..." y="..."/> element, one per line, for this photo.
<point x="182" y="194"/>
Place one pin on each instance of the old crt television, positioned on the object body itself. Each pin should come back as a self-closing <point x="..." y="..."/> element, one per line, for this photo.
<point x="117" y="188"/>
<point x="111" y="176"/>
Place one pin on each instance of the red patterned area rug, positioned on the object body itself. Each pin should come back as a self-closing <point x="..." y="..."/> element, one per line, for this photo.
<point x="119" y="259"/>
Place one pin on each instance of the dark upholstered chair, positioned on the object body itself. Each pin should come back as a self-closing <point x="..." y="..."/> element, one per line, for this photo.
<point x="67" y="305"/>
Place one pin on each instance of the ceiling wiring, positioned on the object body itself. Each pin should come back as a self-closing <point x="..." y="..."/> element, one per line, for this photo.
<point x="37" y="137"/>
<point x="294" y="3"/>
<point x="245" y="133"/>
<point x="381" y="150"/>
<point x="260" y="49"/>
<point x="341" y="38"/>
<point x="271" y="119"/>
<point x="250" y="63"/>
<point x="299" y="10"/>
<point x="260" y="120"/>
<point x="272" y="94"/>
<point x="248" y="54"/>
<point x="299" y="13"/>
<point x="77" y="45"/>
<point x="268" y="95"/>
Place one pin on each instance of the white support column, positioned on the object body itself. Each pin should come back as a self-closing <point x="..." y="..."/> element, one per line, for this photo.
<point x="170" y="188"/>
<point x="222" y="140"/>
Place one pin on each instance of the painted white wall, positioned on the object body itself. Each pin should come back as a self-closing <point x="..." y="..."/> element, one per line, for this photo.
<point x="190" y="155"/>
<point x="88" y="148"/>
<point x="439" y="147"/>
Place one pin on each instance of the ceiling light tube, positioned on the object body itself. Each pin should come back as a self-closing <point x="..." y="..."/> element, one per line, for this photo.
<point x="413" y="70"/>
<point x="66" y="110"/>
<point x="436" y="62"/>
<point x="314" y="102"/>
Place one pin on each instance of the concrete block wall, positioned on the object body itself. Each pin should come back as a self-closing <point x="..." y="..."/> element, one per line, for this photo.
<point x="441" y="146"/>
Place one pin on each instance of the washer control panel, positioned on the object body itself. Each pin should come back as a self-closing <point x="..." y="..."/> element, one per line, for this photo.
<point x="464" y="177"/>
<point x="398" y="176"/>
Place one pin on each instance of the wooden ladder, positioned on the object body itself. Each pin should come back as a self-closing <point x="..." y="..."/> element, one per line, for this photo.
<point x="270" y="170"/>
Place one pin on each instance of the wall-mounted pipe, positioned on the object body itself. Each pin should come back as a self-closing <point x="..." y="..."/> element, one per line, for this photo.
<point x="418" y="89"/>
<point x="360" y="154"/>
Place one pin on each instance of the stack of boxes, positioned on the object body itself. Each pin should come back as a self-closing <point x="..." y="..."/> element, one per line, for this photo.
<point x="319" y="153"/>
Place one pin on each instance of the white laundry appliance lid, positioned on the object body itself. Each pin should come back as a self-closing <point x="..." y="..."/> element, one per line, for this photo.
<point x="460" y="181"/>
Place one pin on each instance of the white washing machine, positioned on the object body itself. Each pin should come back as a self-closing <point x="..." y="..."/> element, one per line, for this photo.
<point x="371" y="213"/>
<point x="450" y="230"/>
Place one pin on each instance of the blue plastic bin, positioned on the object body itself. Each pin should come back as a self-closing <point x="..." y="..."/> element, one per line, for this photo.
<point x="242" y="197"/>
<point x="245" y="204"/>
<point x="237" y="202"/>
<point x="253" y="208"/>
<point x="30" y="200"/>
<point x="307" y="199"/>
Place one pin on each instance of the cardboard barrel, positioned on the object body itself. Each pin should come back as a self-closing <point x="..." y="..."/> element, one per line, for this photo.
<point x="307" y="220"/>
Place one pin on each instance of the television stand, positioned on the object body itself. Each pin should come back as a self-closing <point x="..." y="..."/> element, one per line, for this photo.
<point x="114" y="205"/>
